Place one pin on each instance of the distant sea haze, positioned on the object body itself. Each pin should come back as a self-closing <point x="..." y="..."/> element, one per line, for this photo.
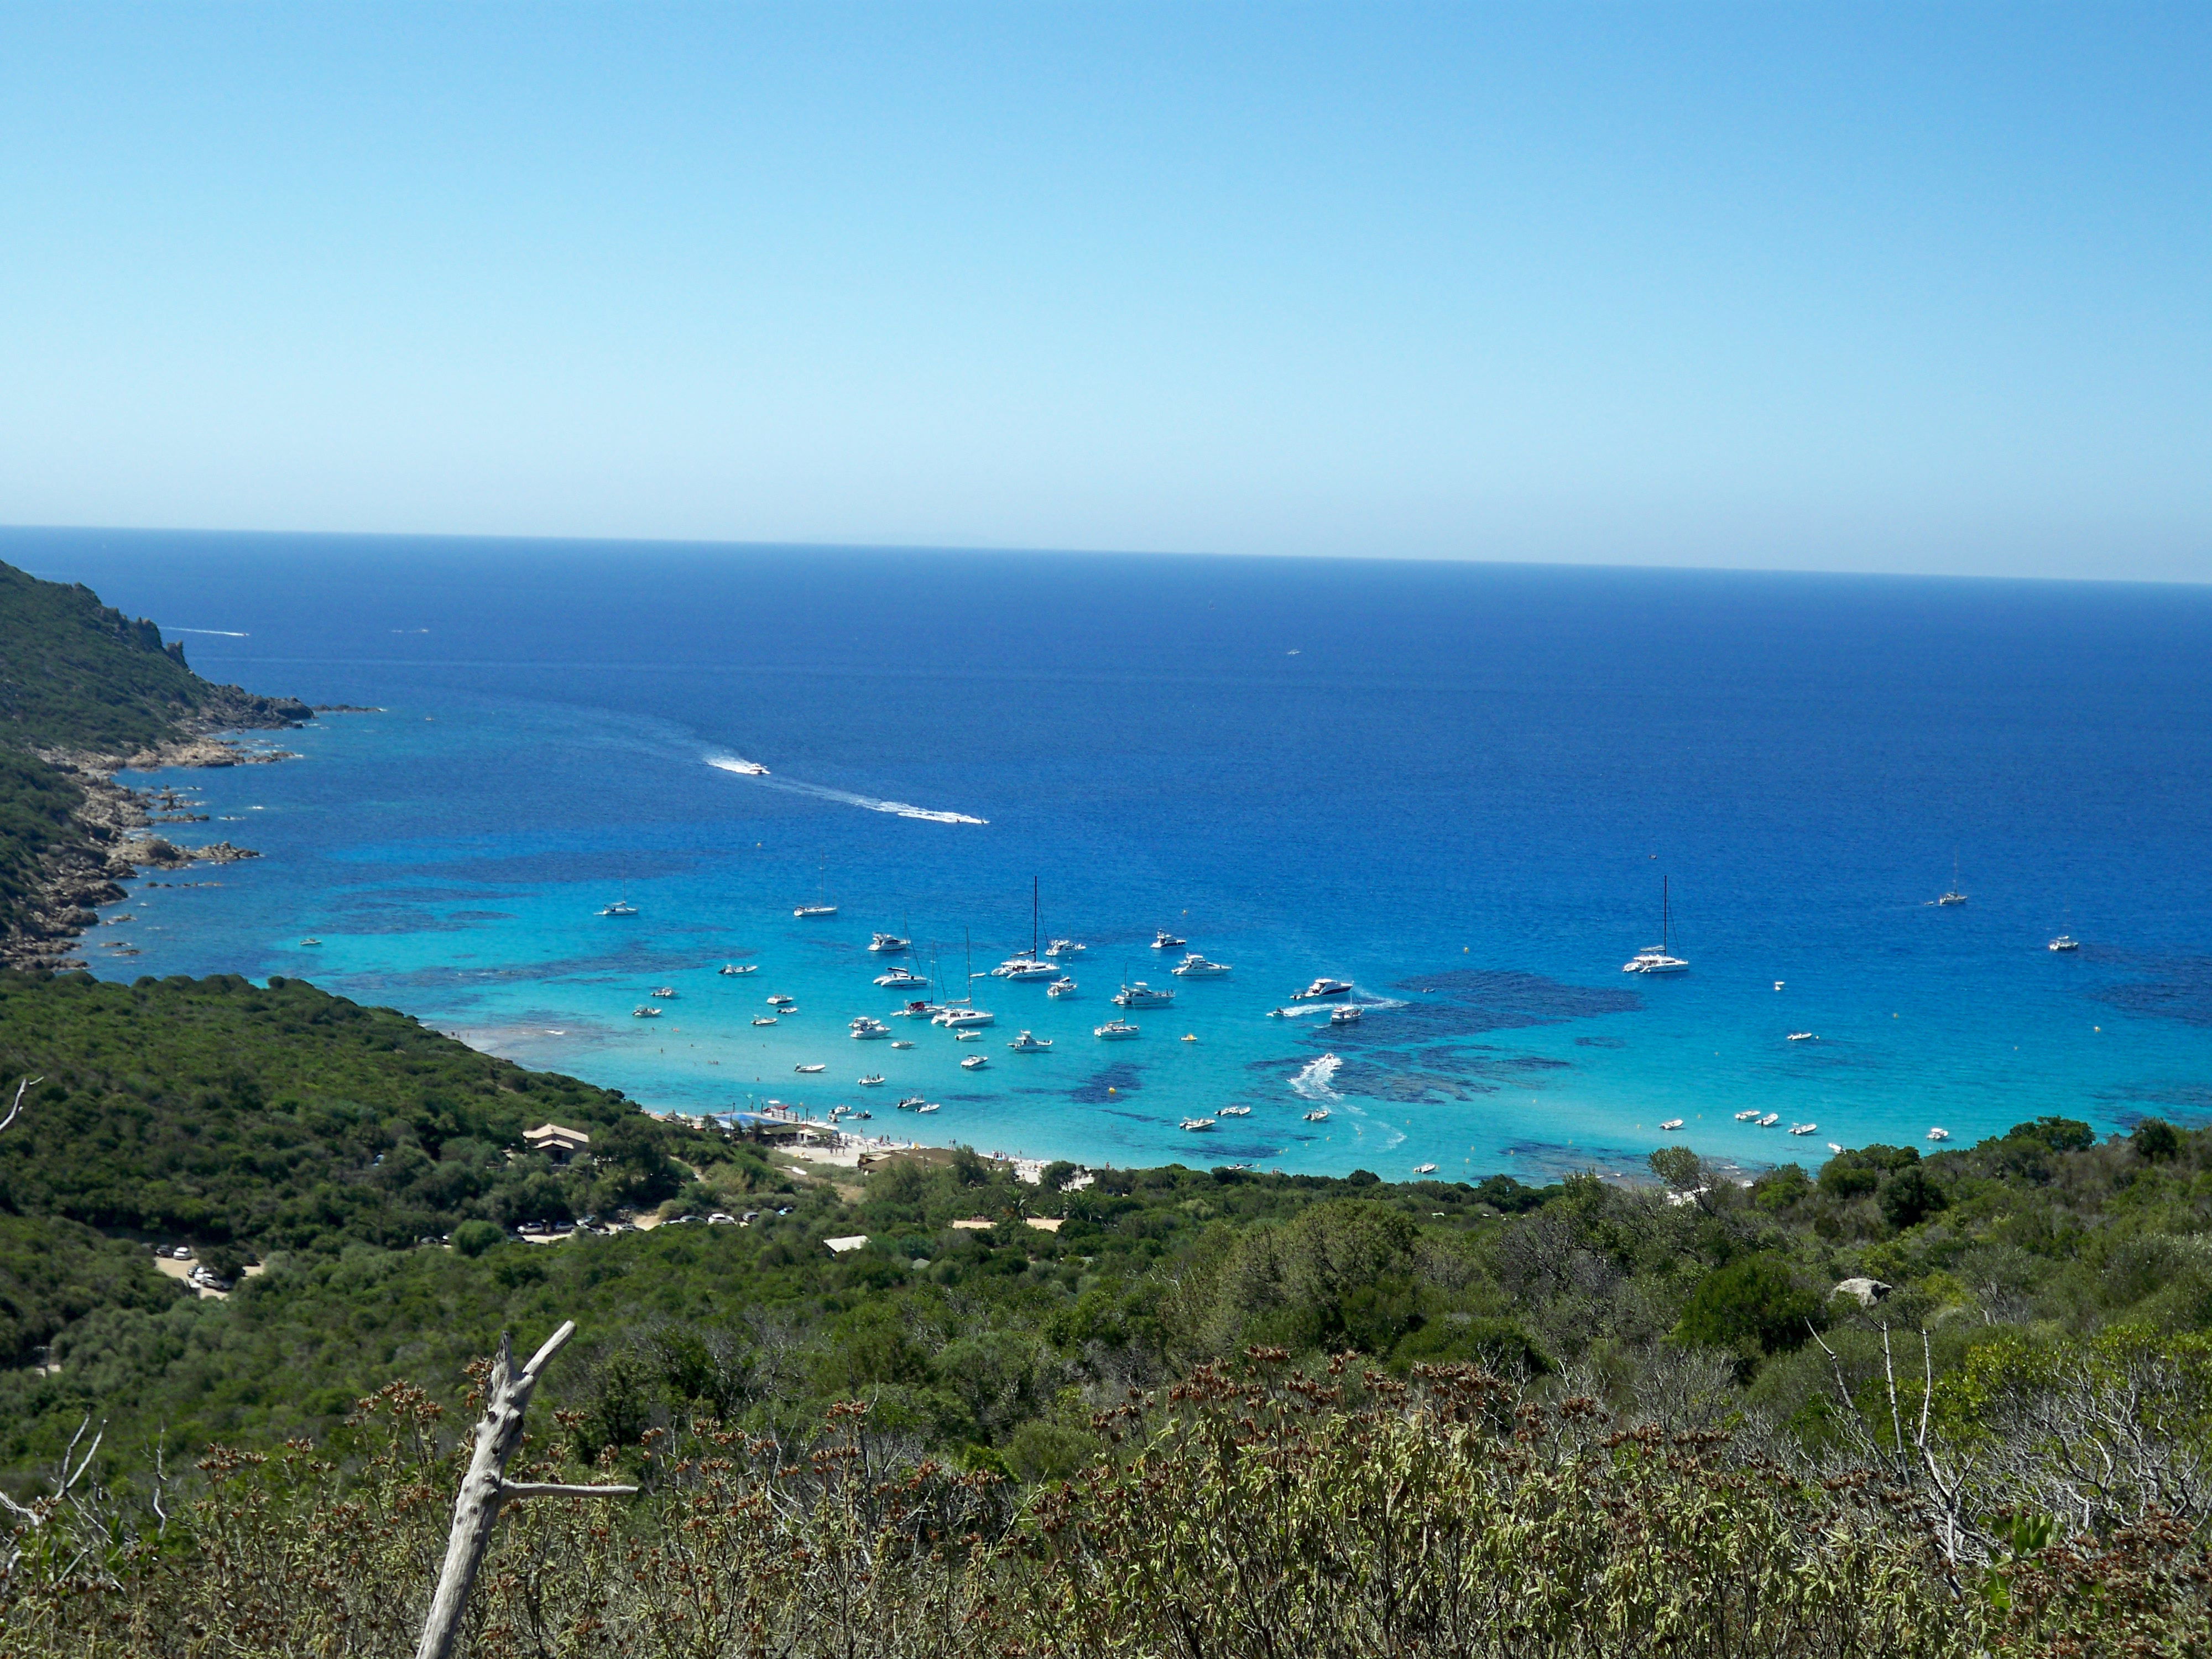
<point x="1457" y="786"/>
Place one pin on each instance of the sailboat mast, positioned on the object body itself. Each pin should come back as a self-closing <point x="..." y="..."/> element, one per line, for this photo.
<point x="1662" y="915"/>
<point x="1033" y="918"/>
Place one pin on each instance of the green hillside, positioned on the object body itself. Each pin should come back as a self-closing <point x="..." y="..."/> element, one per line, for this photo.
<point x="78" y="674"/>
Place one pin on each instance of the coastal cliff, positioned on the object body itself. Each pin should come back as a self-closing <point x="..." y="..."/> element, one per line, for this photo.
<point x="87" y="692"/>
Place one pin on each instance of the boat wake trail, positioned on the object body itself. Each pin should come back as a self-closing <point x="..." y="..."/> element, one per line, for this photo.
<point x="843" y="796"/>
<point x="1314" y="1080"/>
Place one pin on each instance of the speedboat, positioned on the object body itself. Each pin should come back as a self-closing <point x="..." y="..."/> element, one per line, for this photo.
<point x="1062" y="987"/>
<point x="1323" y="988"/>
<point x="859" y="1115"/>
<point x="809" y="1070"/>
<point x="865" y="1029"/>
<point x="1833" y="1148"/>
<point x="1233" y="1111"/>
<point x="1671" y="1123"/>
<point x="902" y="1043"/>
<point x="1349" y="1014"/>
<point x="1063" y="947"/>
<point x="931" y="1107"/>
<point x="1751" y="1116"/>
<point x="912" y="1102"/>
<point x="1026" y="1044"/>
<point x="732" y="969"/>
<point x="779" y="1000"/>
<point x="871" y="1080"/>
<point x="971" y="1036"/>
<point x="1425" y="1169"/>
<point x="1803" y="1128"/>
<point x="1025" y="968"/>
<point x="2064" y="942"/>
<point x="974" y="1062"/>
<point x="888" y="943"/>
<point x="1939" y="1134"/>
<point x="1804" y="1036"/>
<point x="1198" y="1124"/>
<point x="643" y="1012"/>
<point x="1141" y="995"/>
<point x="804" y="911"/>
<point x="665" y="992"/>
<point x="1117" y="1030"/>
<point x="961" y="1017"/>
<point x="310" y="943"/>
<point x="1657" y="959"/>
<point x="900" y="977"/>
<point x="1319" y="1115"/>
<point x="1164" y="940"/>
<point x="765" y="1019"/>
<point x="1195" y="966"/>
<point x="619" y="908"/>
<point x="1770" y="1119"/>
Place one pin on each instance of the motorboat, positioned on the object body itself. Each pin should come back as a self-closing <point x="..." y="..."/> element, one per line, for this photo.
<point x="310" y="943"/>
<point x="1062" y="987"/>
<point x="1804" y="1128"/>
<point x="765" y="1019"/>
<point x="865" y="1029"/>
<point x="1164" y="940"/>
<point x="1804" y="1036"/>
<point x="969" y="1036"/>
<point x="1319" y="1115"/>
<point x="730" y="969"/>
<point x="1323" y="988"/>
<point x="889" y="943"/>
<point x="619" y="908"/>
<point x="860" y="1114"/>
<point x="920" y="1111"/>
<point x="1350" y="1014"/>
<point x="911" y="1102"/>
<point x="744" y="769"/>
<point x="1195" y="966"/>
<point x="1671" y="1123"/>
<point x="2064" y="942"/>
<point x="1063" y="947"/>
<point x="1939" y="1134"/>
<point x="1657" y="959"/>
<point x="1026" y="967"/>
<point x="920" y="1009"/>
<point x="1117" y="1030"/>
<point x="1141" y="995"/>
<point x="805" y="910"/>
<point x="1425" y="1169"/>
<point x="1190" y="1037"/>
<point x="1770" y="1119"/>
<point x="1751" y="1116"/>
<point x="1833" y="1148"/>
<point x="1233" y="1111"/>
<point x="1278" y="1013"/>
<point x="779" y="1000"/>
<point x="901" y="977"/>
<point x="1026" y="1044"/>
<point x="871" y="1080"/>
<point x="974" y="1062"/>
<point x="902" y="1043"/>
<point x="1198" y="1125"/>
<point x="643" y="1012"/>
<point x="666" y="992"/>
<point x="809" y="1070"/>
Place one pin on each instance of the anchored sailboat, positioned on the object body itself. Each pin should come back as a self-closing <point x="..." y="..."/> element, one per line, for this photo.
<point x="1656" y="958"/>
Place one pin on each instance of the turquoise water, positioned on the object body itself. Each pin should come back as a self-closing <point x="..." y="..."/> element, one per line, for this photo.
<point x="1457" y="786"/>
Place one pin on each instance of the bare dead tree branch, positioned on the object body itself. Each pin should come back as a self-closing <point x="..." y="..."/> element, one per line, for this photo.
<point x="485" y="1487"/>
<point x="16" y="1110"/>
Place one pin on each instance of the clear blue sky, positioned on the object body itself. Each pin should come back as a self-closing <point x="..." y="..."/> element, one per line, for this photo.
<point x="1921" y="289"/>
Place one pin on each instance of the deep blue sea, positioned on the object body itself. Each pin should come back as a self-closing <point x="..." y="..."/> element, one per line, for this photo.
<point x="1457" y="785"/>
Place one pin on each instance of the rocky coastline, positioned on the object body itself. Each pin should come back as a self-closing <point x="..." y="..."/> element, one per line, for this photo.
<point x="115" y="837"/>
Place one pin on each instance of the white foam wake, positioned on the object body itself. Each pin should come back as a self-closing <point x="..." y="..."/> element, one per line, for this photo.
<point x="1313" y="1081"/>
<point x="843" y="796"/>
<point x="226" y="633"/>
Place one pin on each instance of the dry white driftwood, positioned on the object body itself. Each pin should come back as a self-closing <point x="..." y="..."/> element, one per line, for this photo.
<point x="17" y="1108"/>
<point x="486" y="1486"/>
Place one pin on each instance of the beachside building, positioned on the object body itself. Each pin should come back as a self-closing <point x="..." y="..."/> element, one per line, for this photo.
<point x="556" y="1141"/>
